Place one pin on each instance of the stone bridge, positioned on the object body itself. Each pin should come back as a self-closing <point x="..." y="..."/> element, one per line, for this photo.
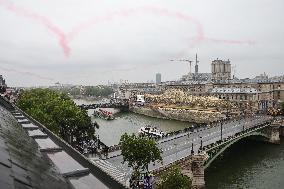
<point x="194" y="164"/>
<point x="195" y="150"/>
<point x="123" y="105"/>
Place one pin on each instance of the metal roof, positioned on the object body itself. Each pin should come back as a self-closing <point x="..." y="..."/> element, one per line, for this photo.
<point x="31" y="158"/>
<point x="234" y="90"/>
<point x="22" y="166"/>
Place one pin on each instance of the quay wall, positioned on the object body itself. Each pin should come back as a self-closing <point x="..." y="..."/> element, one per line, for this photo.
<point x="178" y="114"/>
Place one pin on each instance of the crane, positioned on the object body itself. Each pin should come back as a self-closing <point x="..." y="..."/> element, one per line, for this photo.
<point x="185" y="60"/>
<point x="234" y="69"/>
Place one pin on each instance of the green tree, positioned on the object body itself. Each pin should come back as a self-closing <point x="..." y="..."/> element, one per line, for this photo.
<point x="139" y="152"/>
<point x="58" y="113"/>
<point x="173" y="178"/>
<point x="98" y="90"/>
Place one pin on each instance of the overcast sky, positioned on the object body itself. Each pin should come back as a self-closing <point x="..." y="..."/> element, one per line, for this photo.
<point x="92" y="42"/>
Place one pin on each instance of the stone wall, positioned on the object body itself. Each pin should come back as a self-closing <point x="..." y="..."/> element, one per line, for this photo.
<point x="178" y="114"/>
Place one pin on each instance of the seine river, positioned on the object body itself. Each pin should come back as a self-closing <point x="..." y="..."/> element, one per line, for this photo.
<point x="111" y="131"/>
<point x="247" y="164"/>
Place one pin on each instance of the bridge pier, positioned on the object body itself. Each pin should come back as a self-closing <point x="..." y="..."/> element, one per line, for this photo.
<point x="281" y="128"/>
<point x="281" y="131"/>
<point x="273" y="133"/>
<point x="197" y="168"/>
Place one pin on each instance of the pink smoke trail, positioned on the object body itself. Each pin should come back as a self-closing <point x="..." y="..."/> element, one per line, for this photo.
<point x="65" y="38"/>
<point x="40" y="19"/>
<point x="26" y="73"/>
<point x="131" y="12"/>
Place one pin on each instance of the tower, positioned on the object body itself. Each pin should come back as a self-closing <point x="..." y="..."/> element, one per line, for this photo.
<point x="158" y="78"/>
<point x="221" y="70"/>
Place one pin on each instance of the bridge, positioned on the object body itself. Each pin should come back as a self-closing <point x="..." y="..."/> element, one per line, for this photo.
<point x="195" y="151"/>
<point x="119" y="104"/>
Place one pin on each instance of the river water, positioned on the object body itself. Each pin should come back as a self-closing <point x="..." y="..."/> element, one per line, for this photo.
<point x="110" y="131"/>
<point x="247" y="164"/>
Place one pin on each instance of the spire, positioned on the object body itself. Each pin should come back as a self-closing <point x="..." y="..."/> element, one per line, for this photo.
<point x="196" y="64"/>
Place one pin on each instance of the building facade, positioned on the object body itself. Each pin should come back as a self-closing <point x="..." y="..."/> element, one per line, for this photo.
<point x="158" y="78"/>
<point x="257" y="96"/>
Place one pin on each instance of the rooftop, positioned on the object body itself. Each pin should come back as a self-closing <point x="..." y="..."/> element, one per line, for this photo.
<point x="32" y="157"/>
<point x="234" y="90"/>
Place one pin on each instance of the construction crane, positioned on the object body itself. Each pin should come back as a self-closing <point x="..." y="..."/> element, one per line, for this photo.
<point x="234" y="69"/>
<point x="185" y="60"/>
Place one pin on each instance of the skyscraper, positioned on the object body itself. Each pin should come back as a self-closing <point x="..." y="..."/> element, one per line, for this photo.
<point x="158" y="78"/>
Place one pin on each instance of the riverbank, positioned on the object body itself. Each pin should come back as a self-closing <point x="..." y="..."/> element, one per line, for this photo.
<point x="196" y="116"/>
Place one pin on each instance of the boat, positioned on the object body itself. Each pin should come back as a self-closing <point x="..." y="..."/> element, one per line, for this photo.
<point x="103" y="114"/>
<point x="151" y="132"/>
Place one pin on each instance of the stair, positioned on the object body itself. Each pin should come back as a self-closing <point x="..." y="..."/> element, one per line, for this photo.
<point x="111" y="170"/>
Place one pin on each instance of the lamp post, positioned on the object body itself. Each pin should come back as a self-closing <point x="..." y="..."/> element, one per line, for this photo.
<point x="221" y="130"/>
<point x="243" y="117"/>
<point x="201" y="142"/>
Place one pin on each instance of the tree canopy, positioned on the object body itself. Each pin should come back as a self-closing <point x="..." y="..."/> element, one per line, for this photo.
<point x="139" y="152"/>
<point x="58" y="113"/>
<point x="173" y="178"/>
<point x="98" y="90"/>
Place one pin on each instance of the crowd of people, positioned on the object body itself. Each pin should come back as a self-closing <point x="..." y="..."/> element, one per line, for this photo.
<point x="91" y="147"/>
<point x="144" y="181"/>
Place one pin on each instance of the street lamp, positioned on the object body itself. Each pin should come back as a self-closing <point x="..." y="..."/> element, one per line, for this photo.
<point x="201" y="142"/>
<point x="175" y="144"/>
<point x="221" y="130"/>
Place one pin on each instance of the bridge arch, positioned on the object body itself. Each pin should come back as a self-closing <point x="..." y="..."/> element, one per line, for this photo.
<point x="215" y="153"/>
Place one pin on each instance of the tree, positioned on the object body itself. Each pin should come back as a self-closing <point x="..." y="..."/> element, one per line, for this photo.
<point x="58" y="113"/>
<point x="139" y="152"/>
<point x="174" y="179"/>
<point x="98" y="90"/>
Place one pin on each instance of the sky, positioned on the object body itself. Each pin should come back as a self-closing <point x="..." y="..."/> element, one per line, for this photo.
<point x="91" y="42"/>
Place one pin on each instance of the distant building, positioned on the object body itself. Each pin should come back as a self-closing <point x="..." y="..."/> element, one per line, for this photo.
<point x="3" y="85"/>
<point x="158" y="78"/>
<point x="221" y="71"/>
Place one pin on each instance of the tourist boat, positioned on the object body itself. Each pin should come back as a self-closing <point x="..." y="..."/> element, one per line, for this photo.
<point x="104" y="114"/>
<point x="151" y="132"/>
